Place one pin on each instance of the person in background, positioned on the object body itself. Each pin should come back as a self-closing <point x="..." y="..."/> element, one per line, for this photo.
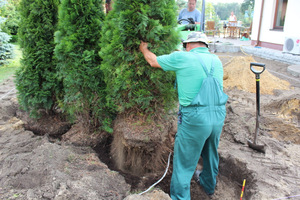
<point x="201" y="114"/>
<point x="190" y="12"/>
<point x="232" y="24"/>
<point x="107" y="5"/>
<point x="232" y="17"/>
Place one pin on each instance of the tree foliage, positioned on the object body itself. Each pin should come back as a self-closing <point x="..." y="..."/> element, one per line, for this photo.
<point x="77" y="49"/>
<point x="180" y="5"/>
<point x="132" y="85"/>
<point x="247" y="5"/>
<point x="6" y="49"/>
<point x="36" y="80"/>
<point x="210" y="13"/>
<point x="247" y="11"/>
<point x="12" y="16"/>
<point x="223" y="10"/>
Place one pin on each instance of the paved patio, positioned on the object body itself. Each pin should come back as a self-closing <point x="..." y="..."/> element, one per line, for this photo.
<point x="221" y="44"/>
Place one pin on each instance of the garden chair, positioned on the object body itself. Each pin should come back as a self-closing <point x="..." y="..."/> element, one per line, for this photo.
<point x="210" y="28"/>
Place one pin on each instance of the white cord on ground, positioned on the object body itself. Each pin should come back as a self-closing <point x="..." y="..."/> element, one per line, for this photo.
<point x="7" y="93"/>
<point x="160" y="178"/>
<point x="288" y="197"/>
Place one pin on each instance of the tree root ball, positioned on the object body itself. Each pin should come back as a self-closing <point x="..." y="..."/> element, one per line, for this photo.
<point x="141" y="146"/>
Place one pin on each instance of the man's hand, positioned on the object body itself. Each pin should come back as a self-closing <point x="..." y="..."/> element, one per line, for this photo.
<point x="143" y="46"/>
<point x="148" y="55"/>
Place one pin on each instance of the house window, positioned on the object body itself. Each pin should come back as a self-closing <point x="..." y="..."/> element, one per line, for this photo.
<point x="280" y="13"/>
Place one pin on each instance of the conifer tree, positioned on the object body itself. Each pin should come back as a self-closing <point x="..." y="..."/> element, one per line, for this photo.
<point x="36" y="80"/>
<point x="132" y="85"/>
<point x="77" y="48"/>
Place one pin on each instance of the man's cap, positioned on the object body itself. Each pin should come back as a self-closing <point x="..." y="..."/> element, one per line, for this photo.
<point x="196" y="37"/>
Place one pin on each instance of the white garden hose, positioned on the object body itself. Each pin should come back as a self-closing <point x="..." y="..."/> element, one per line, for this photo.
<point x="7" y="94"/>
<point x="160" y="178"/>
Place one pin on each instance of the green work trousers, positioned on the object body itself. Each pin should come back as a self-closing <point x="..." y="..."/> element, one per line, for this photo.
<point x="198" y="134"/>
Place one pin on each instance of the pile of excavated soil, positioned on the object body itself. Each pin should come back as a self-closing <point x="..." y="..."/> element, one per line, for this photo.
<point x="237" y="74"/>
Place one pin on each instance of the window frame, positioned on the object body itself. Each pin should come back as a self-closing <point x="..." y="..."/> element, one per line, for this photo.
<point x="276" y="15"/>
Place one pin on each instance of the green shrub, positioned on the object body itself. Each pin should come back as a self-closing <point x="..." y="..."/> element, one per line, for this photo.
<point x="14" y="39"/>
<point x="77" y="46"/>
<point x="6" y="49"/>
<point x="132" y="85"/>
<point x="11" y="24"/>
<point x="36" y="80"/>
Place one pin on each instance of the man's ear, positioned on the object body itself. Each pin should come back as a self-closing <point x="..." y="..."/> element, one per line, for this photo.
<point x="188" y="45"/>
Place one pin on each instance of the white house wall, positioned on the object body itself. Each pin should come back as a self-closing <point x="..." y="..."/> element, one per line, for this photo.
<point x="292" y="21"/>
<point x="267" y="35"/>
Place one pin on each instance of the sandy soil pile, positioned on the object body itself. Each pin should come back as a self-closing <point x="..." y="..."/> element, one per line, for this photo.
<point x="237" y="74"/>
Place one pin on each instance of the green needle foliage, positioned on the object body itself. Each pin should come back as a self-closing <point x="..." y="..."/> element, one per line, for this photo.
<point x="77" y="49"/>
<point x="36" y="80"/>
<point x="132" y="85"/>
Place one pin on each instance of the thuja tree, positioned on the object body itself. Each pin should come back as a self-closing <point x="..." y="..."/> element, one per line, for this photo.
<point x="36" y="80"/>
<point x="77" y="50"/>
<point x="132" y="85"/>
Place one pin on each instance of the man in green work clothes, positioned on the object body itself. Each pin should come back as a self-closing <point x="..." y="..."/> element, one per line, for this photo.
<point x="201" y="114"/>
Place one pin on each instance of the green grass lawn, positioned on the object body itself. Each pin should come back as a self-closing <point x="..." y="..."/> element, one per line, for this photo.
<point x="9" y="69"/>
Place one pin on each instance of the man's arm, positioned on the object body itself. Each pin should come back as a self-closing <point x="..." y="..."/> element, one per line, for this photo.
<point x="148" y="55"/>
<point x="198" y="17"/>
<point x="180" y="15"/>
